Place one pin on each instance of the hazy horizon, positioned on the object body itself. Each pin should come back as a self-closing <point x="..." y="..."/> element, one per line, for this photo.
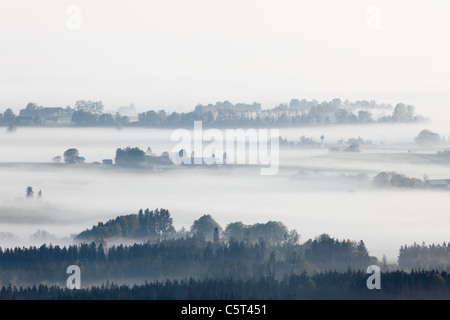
<point x="177" y="54"/>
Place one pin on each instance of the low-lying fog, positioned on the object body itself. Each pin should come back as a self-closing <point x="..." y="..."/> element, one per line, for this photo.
<point x="314" y="191"/>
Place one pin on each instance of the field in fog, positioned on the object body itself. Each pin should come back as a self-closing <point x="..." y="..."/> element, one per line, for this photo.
<point x="314" y="191"/>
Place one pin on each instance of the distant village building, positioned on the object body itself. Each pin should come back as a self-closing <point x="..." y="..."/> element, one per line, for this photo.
<point x="107" y="161"/>
<point x="438" y="183"/>
<point x="35" y="113"/>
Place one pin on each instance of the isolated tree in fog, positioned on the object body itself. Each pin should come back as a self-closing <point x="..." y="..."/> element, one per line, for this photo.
<point x="427" y="137"/>
<point x="57" y="159"/>
<point x="29" y="192"/>
<point x="72" y="156"/>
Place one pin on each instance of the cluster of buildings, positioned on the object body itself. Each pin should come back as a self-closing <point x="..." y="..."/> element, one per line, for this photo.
<point x="45" y="114"/>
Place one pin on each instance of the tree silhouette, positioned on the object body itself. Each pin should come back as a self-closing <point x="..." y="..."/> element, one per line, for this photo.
<point x="72" y="156"/>
<point x="29" y="192"/>
<point x="129" y="156"/>
<point x="205" y="225"/>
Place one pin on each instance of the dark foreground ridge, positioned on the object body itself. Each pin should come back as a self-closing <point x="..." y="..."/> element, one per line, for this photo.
<point x="329" y="285"/>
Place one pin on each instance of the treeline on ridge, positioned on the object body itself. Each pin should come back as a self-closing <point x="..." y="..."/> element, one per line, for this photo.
<point x="221" y="114"/>
<point x="206" y="251"/>
<point x="185" y="257"/>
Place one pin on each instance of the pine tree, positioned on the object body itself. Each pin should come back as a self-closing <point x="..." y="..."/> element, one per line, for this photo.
<point x="216" y="235"/>
<point x="30" y="192"/>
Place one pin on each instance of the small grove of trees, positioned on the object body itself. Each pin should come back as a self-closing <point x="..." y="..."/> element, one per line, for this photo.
<point x="428" y="137"/>
<point x="273" y="232"/>
<point x="328" y="253"/>
<point x="128" y="156"/>
<point x="404" y="113"/>
<point x="146" y="224"/>
<point x="29" y="193"/>
<point x="396" y="180"/>
<point x="90" y="113"/>
<point x="87" y="113"/>
<point x="207" y="226"/>
<point x="158" y="223"/>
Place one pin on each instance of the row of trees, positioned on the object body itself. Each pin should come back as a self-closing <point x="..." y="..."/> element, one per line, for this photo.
<point x="128" y="157"/>
<point x="425" y="257"/>
<point x="226" y="114"/>
<point x="158" y="224"/>
<point x="85" y="113"/>
<point x="84" y="118"/>
<point x="397" y="180"/>
<point x="132" y="157"/>
<point x="90" y="113"/>
<point x="185" y="257"/>
<point x="326" y="286"/>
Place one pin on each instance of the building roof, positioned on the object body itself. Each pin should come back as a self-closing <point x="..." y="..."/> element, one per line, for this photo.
<point x="438" y="182"/>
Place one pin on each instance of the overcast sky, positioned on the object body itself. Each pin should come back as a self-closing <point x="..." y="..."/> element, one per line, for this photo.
<point x="178" y="53"/>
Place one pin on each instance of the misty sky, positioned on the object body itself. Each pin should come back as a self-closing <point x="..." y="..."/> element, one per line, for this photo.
<point x="175" y="54"/>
